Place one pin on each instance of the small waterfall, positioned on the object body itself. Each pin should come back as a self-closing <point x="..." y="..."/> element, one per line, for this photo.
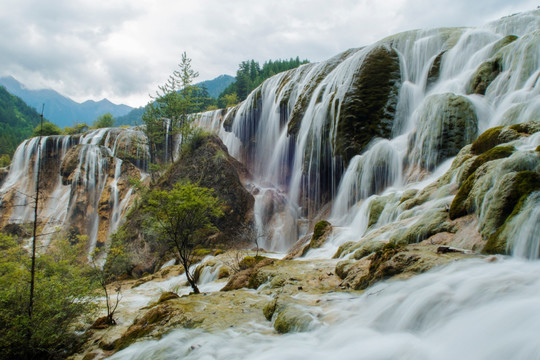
<point x="526" y="227"/>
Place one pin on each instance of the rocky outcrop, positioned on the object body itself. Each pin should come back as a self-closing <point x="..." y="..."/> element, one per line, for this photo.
<point x="369" y="106"/>
<point x="209" y="165"/>
<point x="446" y="123"/>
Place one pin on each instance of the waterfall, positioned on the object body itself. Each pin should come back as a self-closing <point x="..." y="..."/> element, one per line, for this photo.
<point x="289" y="131"/>
<point x="84" y="180"/>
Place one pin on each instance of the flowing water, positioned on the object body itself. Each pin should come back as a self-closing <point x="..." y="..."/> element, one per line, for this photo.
<point x="474" y="309"/>
<point x="286" y="133"/>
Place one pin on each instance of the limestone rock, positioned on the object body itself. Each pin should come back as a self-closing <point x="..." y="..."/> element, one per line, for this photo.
<point x="370" y="103"/>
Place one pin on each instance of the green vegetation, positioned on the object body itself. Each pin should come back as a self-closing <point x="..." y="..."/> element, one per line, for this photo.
<point x="183" y="218"/>
<point x="62" y="295"/>
<point x="17" y="121"/>
<point x="46" y="130"/>
<point x="104" y="121"/>
<point x="250" y="75"/>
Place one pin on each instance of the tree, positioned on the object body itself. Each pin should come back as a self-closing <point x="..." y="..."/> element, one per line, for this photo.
<point x="183" y="216"/>
<point x="104" y="121"/>
<point x="47" y="129"/>
<point x="104" y="276"/>
<point x="63" y="294"/>
<point x="169" y="113"/>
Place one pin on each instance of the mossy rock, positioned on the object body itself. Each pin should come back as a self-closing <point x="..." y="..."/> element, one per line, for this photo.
<point x="446" y="123"/>
<point x="430" y="223"/>
<point x="498" y="152"/>
<point x="376" y="208"/>
<point x="292" y="319"/>
<point x="434" y="70"/>
<point x="496" y="136"/>
<point x="528" y="128"/>
<point x="320" y="233"/>
<point x="484" y="76"/>
<point x="143" y="326"/>
<point x="168" y="295"/>
<point x="343" y="249"/>
<point x="368" y="247"/>
<point x="269" y="309"/>
<point x="369" y="106"/>
<point x="459" y="206"/>
<point x="515" y="194"/>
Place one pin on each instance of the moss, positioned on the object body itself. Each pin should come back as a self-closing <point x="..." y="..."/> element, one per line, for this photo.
<point x="168" y="295"/>
<point x="487" y="140"/>
<point x="269" y="309"/>
<point x="223" y="273"/>
<point x="201" y="252"/>
<point x="498" y="152"/>
<point x="292" y="319"/>
<point x="142" y="327"/>
<point x="320" y="228"/>
<point x="523" y="185"/>
<point x="538" y="148"/>
<point x="459" y="207"/>
<point x="528" y="128"/>
<point x="343" y="249"/>
<point x="368" y="107"/>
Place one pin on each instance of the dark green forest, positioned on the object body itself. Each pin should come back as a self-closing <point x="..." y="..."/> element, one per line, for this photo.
<point x="17" y="121"/>
<point x="250" y="75"/>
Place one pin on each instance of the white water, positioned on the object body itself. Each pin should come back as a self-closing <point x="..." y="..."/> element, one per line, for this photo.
<point x="476" y="309"/>
<point x="468" y="310"/>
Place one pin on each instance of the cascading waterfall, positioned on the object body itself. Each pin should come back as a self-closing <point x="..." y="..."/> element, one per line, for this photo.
<point x="289" y="126"/>
<point x="76" y="172"/>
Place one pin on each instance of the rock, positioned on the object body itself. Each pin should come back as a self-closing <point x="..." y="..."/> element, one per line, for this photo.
<point x="430" y="223"/>
<point x="369" y="105"/>
<point x="291" y="318"/>
<point x="446" y="123"/>
<point x="3" y="174"/>
<point x="434" y="70"/>
<point x="320" y="233"/>
<point x="167" y="295"/>
<point x="211" y="166"/>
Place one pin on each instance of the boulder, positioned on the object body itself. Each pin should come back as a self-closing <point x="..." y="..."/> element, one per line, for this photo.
<point x="369" y="106"/>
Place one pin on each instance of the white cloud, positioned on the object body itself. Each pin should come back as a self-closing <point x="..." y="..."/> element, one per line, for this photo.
<point x="123" y="49"/>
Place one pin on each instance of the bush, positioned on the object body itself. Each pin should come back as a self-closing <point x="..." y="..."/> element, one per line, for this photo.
<point x="47" y="130"/>
<point x="61" y="296"/>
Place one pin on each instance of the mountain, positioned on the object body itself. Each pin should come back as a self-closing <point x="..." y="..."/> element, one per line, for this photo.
<point x="217" y="85"/>
<point x="62" y="110"/>
<point x="17" y="120"/>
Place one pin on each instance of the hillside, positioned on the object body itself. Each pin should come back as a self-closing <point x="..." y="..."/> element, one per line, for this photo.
<point x="62" y="110"/>
<point x="17" y="120"/>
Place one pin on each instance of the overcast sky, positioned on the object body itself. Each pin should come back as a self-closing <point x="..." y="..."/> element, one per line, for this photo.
<point x="124" y="49"/>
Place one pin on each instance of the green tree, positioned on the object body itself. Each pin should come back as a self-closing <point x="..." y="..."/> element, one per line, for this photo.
<point x="183" y="217"/>
<point x="48" y="129"/>
<point x="169" y="113"/>
<point x="62" y="296"/>
<point x="104" y="121"/>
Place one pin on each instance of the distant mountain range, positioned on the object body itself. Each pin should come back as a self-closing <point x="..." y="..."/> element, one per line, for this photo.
<point x="64" y="112"/>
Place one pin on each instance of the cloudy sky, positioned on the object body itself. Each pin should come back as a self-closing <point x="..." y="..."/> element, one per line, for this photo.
<point x="123" y="49"/>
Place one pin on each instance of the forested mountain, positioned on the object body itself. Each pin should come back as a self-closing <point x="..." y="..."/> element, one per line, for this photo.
<point x="17" y="120"/>
<point x="216" y="86"/>
<point x="250" y="75"/>
<point x="62" y="110"/>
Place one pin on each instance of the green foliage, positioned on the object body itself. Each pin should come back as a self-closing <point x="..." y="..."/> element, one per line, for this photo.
<point x="47" y="130"/>
<point x="250" y="75"/>
<point x="17" y="120"/>
<point x="104" y="121"/>
<point x="183" y="217"/>
<point x="4" y="160"/>
<point x="62" y="295"/>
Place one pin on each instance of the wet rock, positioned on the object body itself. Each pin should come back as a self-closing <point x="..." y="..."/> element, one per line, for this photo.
<point x="446" y="123"/>
<point x="369" y="105"/>
<point x="291" y="318"/>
